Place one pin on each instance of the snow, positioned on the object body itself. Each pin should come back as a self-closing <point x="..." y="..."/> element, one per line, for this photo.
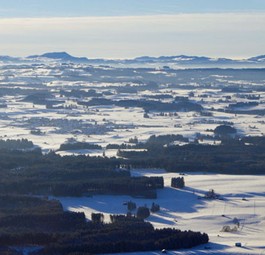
<point x="187" y="209"/>
<point x="126" y="122"/>
<point x="243" y="196"/>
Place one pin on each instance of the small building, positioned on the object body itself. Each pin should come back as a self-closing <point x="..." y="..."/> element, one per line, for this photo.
<point x="211" y="194"/>
<point x="229" y="229"/>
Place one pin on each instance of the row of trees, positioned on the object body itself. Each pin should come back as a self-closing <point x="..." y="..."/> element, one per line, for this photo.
<point x="20" y="144"/>
<point x="233" y="156"/>
<point x="79" y="146"/>
<point x="125" y="234"/>
<point x="46" y="225"/>
<point x="142" y="212"/>
<point x="147" y="105"/>
<point x="24" y="172"/>
<point x="178" y="182"/>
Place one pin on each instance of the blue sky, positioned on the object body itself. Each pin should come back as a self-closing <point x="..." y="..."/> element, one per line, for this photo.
<point x="77" y="8"/>
<point x="130" y="28"/>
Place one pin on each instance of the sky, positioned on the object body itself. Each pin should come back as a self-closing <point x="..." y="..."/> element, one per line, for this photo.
<point x="132" y="28"/>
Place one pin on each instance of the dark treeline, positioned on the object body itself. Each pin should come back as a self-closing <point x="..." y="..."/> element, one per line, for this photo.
<point x="233" y="156"/>
<point x="18" y="204"/>
<point x="79" y="146"/>
<point x="16" y="144"/>
<point x="242" y="104"/>
<point x="42" y="98"/>
<point x="31" y="172"/>
<point x="59" y="232"/>
<point x="178" y="182"/>
<point x="165" y="139"/>
<point x="122" y="240"/>
<point x="39" y="223"/>
<point x="160" y="140"/>
<point x="78" y="93"/>
<point x="147" y="105"/>
<point x="124" y="234"/>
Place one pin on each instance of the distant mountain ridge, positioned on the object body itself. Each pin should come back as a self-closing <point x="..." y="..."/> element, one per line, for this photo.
<point x="8" y="58"/>
<point x="179" y="60"/>
<point x="258" y="58"/>
<point x="182" y="59"/>
<point x="63" y="56"/>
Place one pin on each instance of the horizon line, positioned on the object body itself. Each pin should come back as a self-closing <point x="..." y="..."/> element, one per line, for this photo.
<point x="247" y="13"/>
<point x="139" y="56"/>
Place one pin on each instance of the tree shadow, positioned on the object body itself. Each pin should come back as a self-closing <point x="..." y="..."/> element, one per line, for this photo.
<point x="170" y="200"/>
<point x="178" y="200"/>
<point x="156" y="219"/>
<point x="209" y="248"/>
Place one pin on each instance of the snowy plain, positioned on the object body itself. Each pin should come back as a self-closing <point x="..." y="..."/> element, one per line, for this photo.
<point x="104" y="124"/>
<point x="243" y="197"/>
<point x="241" y="204"/>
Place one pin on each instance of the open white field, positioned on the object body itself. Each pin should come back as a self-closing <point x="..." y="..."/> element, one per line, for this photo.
<point x="86" y="103"/>
<point x="114" y="125"/>
<point x="241" y="206"/>
<point x="52" y="103"/>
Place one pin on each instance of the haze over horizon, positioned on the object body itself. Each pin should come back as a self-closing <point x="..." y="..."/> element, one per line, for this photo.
<point x="128" y="29"/>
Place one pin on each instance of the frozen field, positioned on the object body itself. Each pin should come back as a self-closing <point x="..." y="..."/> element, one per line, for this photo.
<point x="50" y="103"/>
<point x="241" y="205"/>
<point x="55" y="100"/>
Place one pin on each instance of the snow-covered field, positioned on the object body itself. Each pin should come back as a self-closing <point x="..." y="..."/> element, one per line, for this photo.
<point x="114" y="125"/>
<point x="241" y="205"/>
<point x="104" y="124"/>
<point x="243" y="197"/>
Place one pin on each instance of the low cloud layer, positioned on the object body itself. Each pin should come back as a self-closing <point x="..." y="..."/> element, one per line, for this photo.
<point x="222" y="35"/>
